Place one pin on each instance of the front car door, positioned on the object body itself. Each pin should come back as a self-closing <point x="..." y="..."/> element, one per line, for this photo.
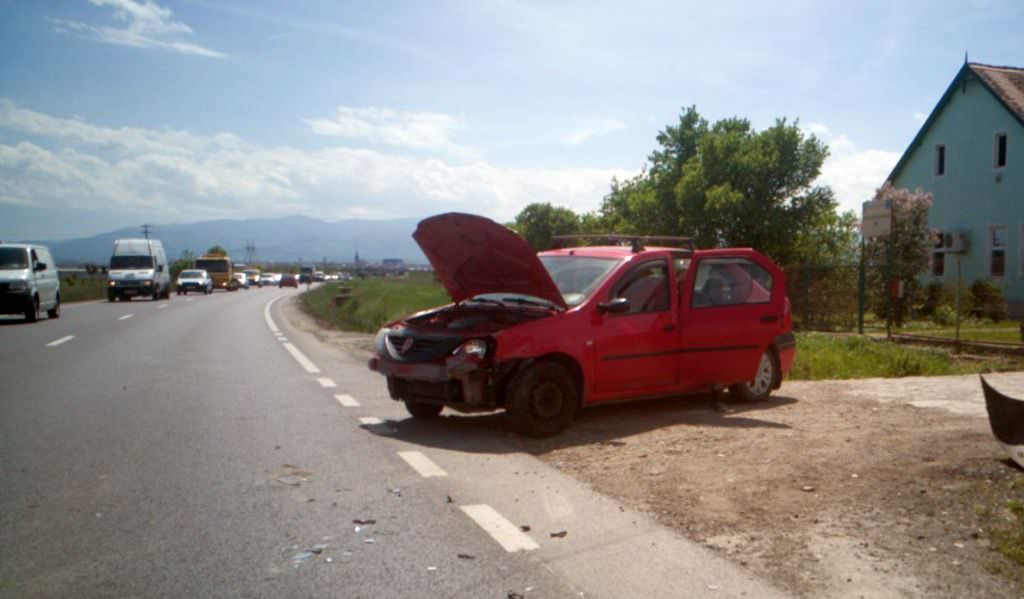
<point x="732" y="309"/>
<point x="635" y="350"/>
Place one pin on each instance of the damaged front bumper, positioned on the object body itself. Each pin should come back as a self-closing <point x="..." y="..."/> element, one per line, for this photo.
<point x="461" y="381"/>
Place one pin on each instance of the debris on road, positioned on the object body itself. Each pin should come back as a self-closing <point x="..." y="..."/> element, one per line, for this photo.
<point x="807" y="489"/>
<point x="363" y="522"/>
<point x="559" y="534"/>
<point x="525" y="528"/>
<point x="514" y="595"/>
<point x="293" y="476"/>
<point x="395" y="491"/>
<point x="448" y="499"/>
<point x="307" y="554"/>
<point x="466" y="556"/>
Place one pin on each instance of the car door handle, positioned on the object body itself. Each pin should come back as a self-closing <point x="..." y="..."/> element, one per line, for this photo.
<point x="668" y="328"/>
<point x="769" y="319"/>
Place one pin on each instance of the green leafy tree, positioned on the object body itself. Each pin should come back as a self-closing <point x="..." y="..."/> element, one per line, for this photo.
<point x="186" y="260"/>
<point x="903" y="254"/>
<point x="216" y="250"/>
<point x="538" y="223"/>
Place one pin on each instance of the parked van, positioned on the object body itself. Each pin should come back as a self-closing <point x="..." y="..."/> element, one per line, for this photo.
<point x="138" y="268"/>
<point x="220" y="270"/>
<point x="28" y="281"/>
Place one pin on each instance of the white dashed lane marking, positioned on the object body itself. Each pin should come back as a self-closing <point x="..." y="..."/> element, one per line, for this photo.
<point x="126" y="317"/>
<point x="59" y="341"/>
<point x="326" y="383"/>
<point x="347" y="400"/>
<point x="301" y="358"/>
<point x="501" y="530"/>
<point x="161" y="306"/>
<point x="422" y="464"/>
<point x="370" y="421"/>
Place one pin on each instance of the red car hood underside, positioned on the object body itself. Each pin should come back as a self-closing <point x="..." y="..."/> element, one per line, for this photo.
<point x="473" y="255"/>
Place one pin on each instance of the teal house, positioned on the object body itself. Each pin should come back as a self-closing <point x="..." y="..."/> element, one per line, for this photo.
<point x="970" y="155"/>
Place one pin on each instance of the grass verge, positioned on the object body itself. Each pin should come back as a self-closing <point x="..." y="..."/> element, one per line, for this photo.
<point x="819" y="356"/>
<point x="82" y="289"/>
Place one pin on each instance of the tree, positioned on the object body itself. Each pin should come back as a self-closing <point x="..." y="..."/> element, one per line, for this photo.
<point x="216" y="250"/>
<point x="186" y="260"/>
<point x="538" y="223"/>
<point x="903" y="254"/>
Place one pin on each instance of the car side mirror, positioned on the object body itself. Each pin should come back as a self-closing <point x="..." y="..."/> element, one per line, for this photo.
<point x="40" y="266"/>
<point x="619" y="305"/>
<point x="160" y="268"/>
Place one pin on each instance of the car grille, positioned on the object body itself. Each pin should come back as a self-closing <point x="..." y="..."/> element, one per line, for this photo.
<point x="130" y="284"/>
<point x="405" y="348"/>
<point x="4" y="287"/>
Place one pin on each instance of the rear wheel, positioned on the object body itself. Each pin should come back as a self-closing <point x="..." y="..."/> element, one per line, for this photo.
<point x="541" y="400"/>
<point x="54" y="312"/>
<point x="422" y="411"/>
<point x="760" y="387"/>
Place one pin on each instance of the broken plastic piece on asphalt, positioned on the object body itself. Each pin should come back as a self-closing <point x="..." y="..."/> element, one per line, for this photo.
<point x="363" y="522"/>
<point x="514" y="595"/>
<point x="369" y="541"/>
<point x="525" y="528"/>
<point x="807" y="488"/>
<point x="559" y="534"/>
<point x="395" y="492"/>
<point x="448" y="499"/>
<point x="466" y="556"/>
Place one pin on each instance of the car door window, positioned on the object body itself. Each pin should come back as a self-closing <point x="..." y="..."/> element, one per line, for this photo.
<point x="646" y="287"/>
<point x="730" y="282"/>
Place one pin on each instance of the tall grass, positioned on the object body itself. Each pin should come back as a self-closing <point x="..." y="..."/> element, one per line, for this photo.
<point x="81" y="289"/>
<point x="374" y="302"/>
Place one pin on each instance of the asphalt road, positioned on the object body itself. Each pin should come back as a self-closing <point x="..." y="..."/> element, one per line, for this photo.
<point x="203" y="447"/>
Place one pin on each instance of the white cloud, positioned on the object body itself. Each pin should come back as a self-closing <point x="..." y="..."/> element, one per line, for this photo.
<point x="176" y="175"/>
<point x="411" y="130"/>
<point x="144" y="24"/>
<point x="595" y="128"/>
<point x="920" y="117"/>
<point x="853" y="173"/>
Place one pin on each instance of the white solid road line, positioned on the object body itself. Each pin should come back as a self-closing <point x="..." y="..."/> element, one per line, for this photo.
<point x="268" y="318"/>
<point x="161" y="306"/>
<point x="422" y="464"/>
<point x="59" y="341"/>
<point x="501" y="530"/>
<point x="370" y="420"/>
<point x="125" y="317"/>
<point x="347" y="400"/>
<point x="326" y="383"/>
<point x="301" y="358"/>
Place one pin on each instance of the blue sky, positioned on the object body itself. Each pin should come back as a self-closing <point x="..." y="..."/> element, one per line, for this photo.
<point x="119" y="112"/>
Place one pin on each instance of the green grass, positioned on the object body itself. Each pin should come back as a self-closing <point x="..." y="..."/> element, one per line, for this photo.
<point x="374" y="302"/>
<point x="82" y="289"/>
<point x="1010" y="539"/>
<point x="819" y="355"/>
<point x="972" y="331"/>
<point x="823" y="356"/>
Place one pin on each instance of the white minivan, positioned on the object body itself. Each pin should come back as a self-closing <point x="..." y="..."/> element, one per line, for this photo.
<point x="138" y="268"/>
<point x="28" y="281"/>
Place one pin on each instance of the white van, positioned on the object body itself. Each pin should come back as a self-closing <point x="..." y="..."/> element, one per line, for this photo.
<point x="138" y="268"/>
<point x="28" y="281"/>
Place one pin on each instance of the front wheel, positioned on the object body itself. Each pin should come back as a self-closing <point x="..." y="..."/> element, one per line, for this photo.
<point x="760" y="387"/>
<point x="32" y="312"/>
<point x="541" y="400"/>
<point x="54" y="312"/>
<point x="422" y="411"/>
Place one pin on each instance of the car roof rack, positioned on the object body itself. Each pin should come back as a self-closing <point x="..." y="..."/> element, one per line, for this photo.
<point x="637" y="243"/>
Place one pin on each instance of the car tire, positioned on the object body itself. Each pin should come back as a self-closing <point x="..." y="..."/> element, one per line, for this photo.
<point x="111" y="297"/>
<point x="541" y="400"/>
<point x="422" y="411"/>
<point x="54" y="312"/>
<point x="760" y="387"/>
<point x="32" y="312"/>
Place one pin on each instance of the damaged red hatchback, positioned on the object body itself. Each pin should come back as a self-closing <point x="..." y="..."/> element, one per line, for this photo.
<point x="543" y="335"/>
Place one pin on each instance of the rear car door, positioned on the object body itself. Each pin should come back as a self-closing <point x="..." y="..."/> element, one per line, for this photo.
<point x="732" y="308"/>
<point x="635" y="350"/>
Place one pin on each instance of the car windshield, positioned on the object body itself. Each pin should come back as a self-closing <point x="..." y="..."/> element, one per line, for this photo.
<point x="511" y="298"/>
<point x="212" y="265"/>
<point x="122" y="262"/>
<point x="577" y="276"/>
<point x="13" y="258"/>
<point x="191" y="274"/>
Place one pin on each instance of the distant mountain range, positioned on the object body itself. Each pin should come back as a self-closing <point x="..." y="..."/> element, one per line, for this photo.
<point x="288" y="239"/>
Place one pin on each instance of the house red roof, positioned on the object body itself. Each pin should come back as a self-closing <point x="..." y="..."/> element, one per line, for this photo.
<point x="1005" y="82"/>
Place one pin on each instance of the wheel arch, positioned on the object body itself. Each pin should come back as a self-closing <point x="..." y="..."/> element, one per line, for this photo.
<point x="508" y="374"/>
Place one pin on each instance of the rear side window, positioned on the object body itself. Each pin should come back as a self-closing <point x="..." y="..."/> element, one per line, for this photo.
<point x="646" y="287"/>
<point x="730" y="282"/>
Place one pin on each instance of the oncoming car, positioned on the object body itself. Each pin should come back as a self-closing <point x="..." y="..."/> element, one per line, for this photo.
<point x="194" y="280"/>
<point x="543" y="335"/>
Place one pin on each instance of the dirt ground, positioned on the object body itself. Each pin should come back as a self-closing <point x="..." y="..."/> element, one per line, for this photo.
<point x="822" y="490"/>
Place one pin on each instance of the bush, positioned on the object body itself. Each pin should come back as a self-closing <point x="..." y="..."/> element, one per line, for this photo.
<point x="987" y="301"/>
<point x="944" y="316"/>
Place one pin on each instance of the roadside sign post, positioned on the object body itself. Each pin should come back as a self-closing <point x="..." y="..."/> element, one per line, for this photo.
<point x="876" y="221"/>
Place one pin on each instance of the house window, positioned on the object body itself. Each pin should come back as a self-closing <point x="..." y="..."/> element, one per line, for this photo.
<point x="940" y="160"/>
<point x="938" y="264"/>
<point x="997" y="250"/>
<point x="999" y="150"/>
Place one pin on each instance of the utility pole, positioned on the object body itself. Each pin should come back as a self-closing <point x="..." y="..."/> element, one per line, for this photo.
<point x="250" y="251"/>
<point x="145" y="230"/>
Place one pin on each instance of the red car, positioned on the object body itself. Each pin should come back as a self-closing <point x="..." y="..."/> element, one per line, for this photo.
<point x="288" y="281"/>
<point x="543" y="335"/>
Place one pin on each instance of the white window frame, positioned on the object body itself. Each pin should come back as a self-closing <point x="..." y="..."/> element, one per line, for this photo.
<point x="935" y="160"/>
<point x="988" y="242"/>
<point x="995" y="149"/>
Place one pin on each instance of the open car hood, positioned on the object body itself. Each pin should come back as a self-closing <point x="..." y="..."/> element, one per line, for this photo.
<point x="473" y="255"/>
